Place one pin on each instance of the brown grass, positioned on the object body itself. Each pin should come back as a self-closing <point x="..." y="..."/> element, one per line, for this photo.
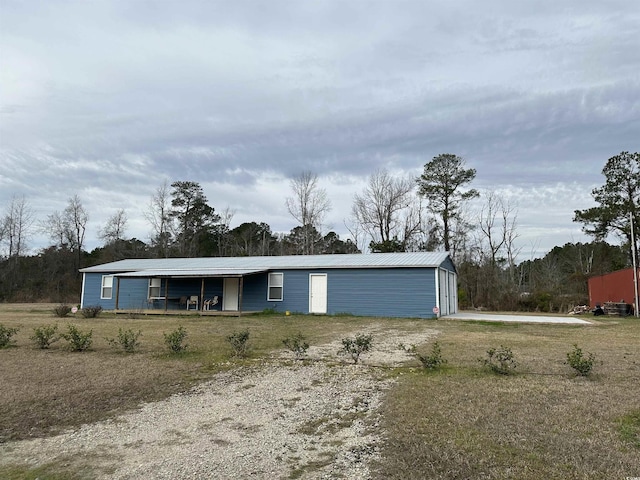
<point x="544" y="422"/>
<point x="459" y="422"/>
<point x="44" y="391"/>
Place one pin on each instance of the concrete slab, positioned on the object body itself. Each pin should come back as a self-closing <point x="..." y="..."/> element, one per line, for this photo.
<point x="495" y="317"/>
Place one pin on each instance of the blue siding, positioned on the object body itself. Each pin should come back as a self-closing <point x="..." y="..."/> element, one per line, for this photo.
<point x="254" y="295"/>
<point x="448" y="265"/>
<point x="384" y="292"/>
<point x="92" y="289"/>
<point x="380" y="292"/>
<point x="132" y="293"/>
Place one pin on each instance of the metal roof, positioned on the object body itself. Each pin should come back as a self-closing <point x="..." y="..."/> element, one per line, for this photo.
<point x="371" y="260"/>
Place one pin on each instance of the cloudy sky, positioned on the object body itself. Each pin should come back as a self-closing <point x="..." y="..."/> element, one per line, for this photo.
<point x="108" y="99"/>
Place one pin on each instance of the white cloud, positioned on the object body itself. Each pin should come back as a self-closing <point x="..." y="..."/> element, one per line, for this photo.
<point x="108" y="99"/>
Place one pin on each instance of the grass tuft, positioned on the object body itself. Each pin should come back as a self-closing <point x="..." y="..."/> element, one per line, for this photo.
<point x="629" y="428"/>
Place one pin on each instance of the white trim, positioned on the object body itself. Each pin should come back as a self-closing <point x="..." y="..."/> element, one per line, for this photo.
<point x="436" y="272"/>
<point x="159" y="287"/>
<point x="84" y="278"/>
<point x="231" y="301"/>
<point x="270" y="285"/>
<point x="102" y="287"/>
<point x="326" y="293"/>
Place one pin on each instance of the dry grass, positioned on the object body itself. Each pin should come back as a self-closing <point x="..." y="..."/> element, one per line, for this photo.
<point x="544" y="422"/>
<point x="459" y="422"/>
<point x="44" y="391"/>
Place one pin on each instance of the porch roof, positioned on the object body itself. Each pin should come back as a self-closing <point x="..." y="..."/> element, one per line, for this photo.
<point x="198" y="273"/>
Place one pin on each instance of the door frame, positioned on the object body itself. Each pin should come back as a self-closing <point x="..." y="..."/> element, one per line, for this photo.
<point x="326" y="291"/>
<point x="230" y="300"/>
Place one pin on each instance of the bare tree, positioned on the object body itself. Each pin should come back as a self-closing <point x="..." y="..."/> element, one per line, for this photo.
<point x="497" y="252"/>
<point x="355" y="230"/>
<point x="308" y="206"/>
<point x="15" y="226"/>
<point x="114" y="228"/>
<point x="58" y="229"/>
<point x="77" y="218"/>
<point x="495" y="235"/>
<point x="3" y="228"/>
<point x="223" y="230"/>
<point x="386" y="210"/>
<point x="158" y="216"/>
<point x="68" y="229"/>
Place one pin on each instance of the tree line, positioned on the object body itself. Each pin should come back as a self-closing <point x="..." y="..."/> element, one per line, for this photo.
<point x="392" y="213"/>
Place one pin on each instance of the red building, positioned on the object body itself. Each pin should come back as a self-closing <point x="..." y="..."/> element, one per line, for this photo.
<point x="612" y="287"/>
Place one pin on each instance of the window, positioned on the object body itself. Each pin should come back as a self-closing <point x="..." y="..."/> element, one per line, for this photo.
<point x="107" y="287"/>
<point x="154" y="287"/>
<point x="274" y="289"/>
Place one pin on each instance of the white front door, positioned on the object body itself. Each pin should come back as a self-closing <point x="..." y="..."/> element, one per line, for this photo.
<point x="230" y="291"/>
<point x="318" y="293"/>
<point x="443" y="285"/>
<point x="453" y="293"/>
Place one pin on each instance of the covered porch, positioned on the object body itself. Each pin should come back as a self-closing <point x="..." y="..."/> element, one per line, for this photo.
<point x="202" y="292"/>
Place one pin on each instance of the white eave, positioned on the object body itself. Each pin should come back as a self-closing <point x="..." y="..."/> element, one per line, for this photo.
<point x="199" y="273"/>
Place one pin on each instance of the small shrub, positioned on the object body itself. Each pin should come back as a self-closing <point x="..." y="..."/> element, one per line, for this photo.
<point x="500" y="360"/>
<point x="5" y="335"/>
<point x="79" y="341"/>
<point x="91" y="311"/>
<point x="356" y="346"/>
<point x="127" y="340"/>
<point x="175" y="340"/>
<point x="61" y="310"/>
<point x="239" y="342"/>
<point x="297" y="344"/>
<point x="581" y="364"/>
<point x="45" y="335"/>
<point x="434" y="360"/>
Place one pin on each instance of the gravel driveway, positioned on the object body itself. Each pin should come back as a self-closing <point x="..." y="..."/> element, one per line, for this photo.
<point x="280" y="419"/>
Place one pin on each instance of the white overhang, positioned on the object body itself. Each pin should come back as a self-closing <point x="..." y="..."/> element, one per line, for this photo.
<point x="190" y="273"/>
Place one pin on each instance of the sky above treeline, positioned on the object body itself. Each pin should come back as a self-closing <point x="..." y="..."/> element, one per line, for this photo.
<point x="109" y="99"/>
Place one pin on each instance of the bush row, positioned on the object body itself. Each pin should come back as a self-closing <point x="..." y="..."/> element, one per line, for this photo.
<point x="500" y="360"/>
<point x="64" y="310"/>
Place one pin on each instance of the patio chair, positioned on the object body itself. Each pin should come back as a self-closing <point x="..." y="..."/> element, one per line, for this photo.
<point x="211" y="302"/>
<point x="192" y="300"/>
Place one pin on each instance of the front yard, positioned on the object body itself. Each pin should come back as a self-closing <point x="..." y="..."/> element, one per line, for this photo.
<point x="386" y="418"/>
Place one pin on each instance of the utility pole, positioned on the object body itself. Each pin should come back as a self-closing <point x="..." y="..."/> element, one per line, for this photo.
<point x="635" y="268"/>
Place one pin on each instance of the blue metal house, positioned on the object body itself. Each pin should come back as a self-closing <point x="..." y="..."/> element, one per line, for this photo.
<point x="421" y="284"/>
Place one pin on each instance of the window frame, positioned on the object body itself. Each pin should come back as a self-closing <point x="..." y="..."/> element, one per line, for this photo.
<point x="272" y="284"/>
<point x="152" y="286"/>
<point x="103" y="286"/>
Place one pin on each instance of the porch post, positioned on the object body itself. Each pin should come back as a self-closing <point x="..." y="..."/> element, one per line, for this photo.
<point x="240" y="295"/>
<point x="201" y="303"/>
<point x="166" y="294"/>
<point x="117" y="292"/>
